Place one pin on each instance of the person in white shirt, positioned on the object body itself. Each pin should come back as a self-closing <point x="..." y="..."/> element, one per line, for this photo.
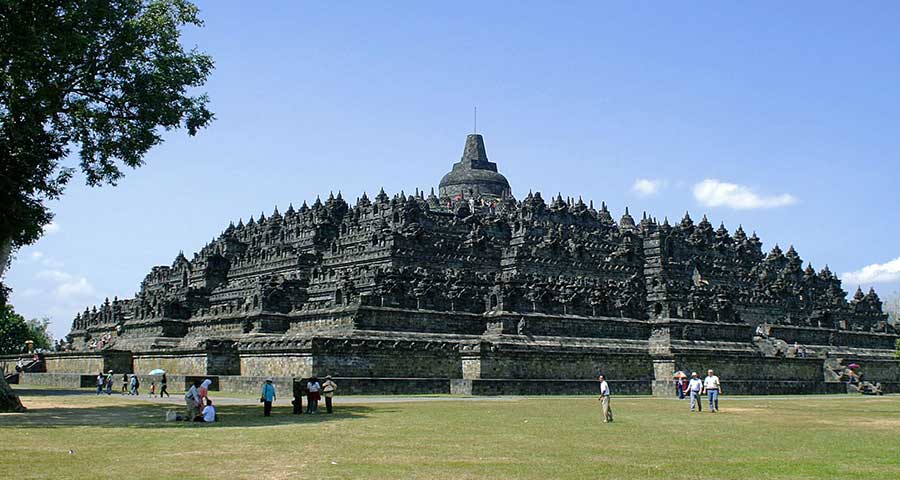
<point x="713" y="390"/>
<point x="209" y="412"/>
<point x="313" y="387"/>
<point x="604" y="400"/>
<point x="695" y="386"/>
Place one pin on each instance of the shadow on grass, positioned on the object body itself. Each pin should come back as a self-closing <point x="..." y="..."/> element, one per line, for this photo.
<point x="153" y="416"/>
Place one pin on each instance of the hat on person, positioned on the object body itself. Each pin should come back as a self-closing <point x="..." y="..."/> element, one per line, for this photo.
<point x="269" y="380"/>
<point x="327" y="377"/>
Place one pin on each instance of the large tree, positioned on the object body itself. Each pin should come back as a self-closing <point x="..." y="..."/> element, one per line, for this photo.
<point x="103" y="78"/>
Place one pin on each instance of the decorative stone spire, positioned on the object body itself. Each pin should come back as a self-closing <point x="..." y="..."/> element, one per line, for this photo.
<point x="473" y="175"/>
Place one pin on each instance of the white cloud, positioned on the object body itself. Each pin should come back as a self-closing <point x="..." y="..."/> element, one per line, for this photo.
<point x="647" y="186"/>
<point x="875" y="273"/>
<point x="51" y="228"/>
<point x="715" y="193"/>
<point x="36" y="255"/>
<point x="75" y="288"/>
<point x="54" y="275"/>
<point x="68" y="286"/>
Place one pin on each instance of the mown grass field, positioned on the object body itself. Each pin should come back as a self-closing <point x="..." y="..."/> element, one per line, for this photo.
<point x="752" y="437"/>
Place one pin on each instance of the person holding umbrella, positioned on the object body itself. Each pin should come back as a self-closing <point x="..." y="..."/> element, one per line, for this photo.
<point x="679" y="384"/>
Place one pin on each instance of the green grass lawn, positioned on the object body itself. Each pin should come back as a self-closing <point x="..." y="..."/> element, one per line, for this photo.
<point x="752" y="437"/>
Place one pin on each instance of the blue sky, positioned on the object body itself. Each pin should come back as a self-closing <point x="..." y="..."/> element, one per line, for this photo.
<point x="780" y="117"/>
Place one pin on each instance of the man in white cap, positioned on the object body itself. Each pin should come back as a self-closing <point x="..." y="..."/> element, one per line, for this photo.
<point x="713" y="389"/>
<point x="695" y="386"/>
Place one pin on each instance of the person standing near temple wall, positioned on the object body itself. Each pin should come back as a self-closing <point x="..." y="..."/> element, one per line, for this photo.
<point x="604" y="400"/>
<point x="695" y="386"/>
<point x="312" y="396"/>
<point x="713" y="390"/>
<point x="267" y="396"/>
<point x="328" y="389"/>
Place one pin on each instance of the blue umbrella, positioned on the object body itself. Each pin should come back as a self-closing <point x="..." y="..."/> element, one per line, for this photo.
<point x="158" y="371"/>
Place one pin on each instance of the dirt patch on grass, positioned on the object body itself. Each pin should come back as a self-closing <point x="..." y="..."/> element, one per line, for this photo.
<point x="867" y="423"/>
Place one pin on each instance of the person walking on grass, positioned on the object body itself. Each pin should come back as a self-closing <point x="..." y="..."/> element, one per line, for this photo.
<point x="124" y="383"/>
<point x="109" y="382"/>
<point x="163" y="386"/>
<point x="192" y="400"/>
<point x="328" y="389"/>
<point x="152" y="389"/>
<point x="713" y="390"/>
<point x="604" y="400"/>
<point x="135" y="385"/>
<point x="695" y="386"/>
<point x="267" y="397"/>
<point x="101" y="380"/>
<point x="312" y="397"/>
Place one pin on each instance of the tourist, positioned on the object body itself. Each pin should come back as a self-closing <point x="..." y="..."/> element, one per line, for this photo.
<point x="695" y="387"/>
<point x="135" y="385"/>
<point x="152" y="389"/>
<point x="109" y="382"/>
<point x="267" y="397"/>
<point x="312" y="397"/>
<point x="192" y="400"/>
<point x="604" y="400"/>
<point x="163" y="386"/>
<point x="328" y="389"/>
<point x="101" y="381"/>
<point x="713" y="390"/>
<point x="124" y="383"/>
<point x="209" y="412"/>
<point x="204" y="390"/>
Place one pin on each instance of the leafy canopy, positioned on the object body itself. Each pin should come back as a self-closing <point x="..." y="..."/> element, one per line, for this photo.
<point x="105" y="78"/>
<point x="15" y="331"/>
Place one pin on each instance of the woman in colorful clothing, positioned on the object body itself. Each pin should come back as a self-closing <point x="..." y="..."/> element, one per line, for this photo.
<point x="312" y="397"/>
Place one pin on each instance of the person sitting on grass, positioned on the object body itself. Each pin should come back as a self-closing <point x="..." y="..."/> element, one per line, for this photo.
<point x="209" y="412"/>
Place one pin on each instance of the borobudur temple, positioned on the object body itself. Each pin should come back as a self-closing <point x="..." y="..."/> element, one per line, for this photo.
<point x="471" y="290"/>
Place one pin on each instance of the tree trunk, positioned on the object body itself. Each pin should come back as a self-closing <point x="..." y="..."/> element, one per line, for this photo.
<point x="9" y="401"/>
<point x="5" y="251"/>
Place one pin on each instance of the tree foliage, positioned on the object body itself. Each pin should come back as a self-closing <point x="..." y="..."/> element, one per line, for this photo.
<point x="15" y="331"/>
<point x="105" y="78"/>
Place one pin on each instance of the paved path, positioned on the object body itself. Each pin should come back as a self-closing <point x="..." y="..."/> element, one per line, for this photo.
<point x="226" y="399"/>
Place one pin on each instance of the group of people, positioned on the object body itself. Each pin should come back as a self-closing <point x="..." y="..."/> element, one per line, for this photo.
<point x="131" y="384"/>
<point x="693" y="388"/>
<point x="199" y="406"/>
<point x="696" y="388"/>
<point x="315" y="391"/>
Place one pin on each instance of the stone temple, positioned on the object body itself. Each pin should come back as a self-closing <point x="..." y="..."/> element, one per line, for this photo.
<point x="472" y="290"/>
